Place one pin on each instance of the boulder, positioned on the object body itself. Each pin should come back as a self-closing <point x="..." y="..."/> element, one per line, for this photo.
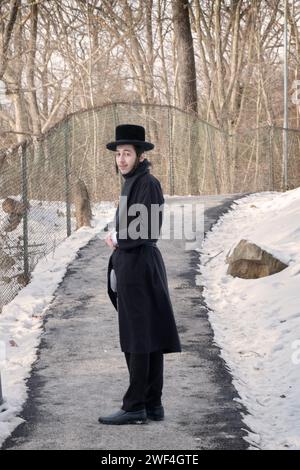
<point x="250" y="261"/>
<point x="15" y="210"/>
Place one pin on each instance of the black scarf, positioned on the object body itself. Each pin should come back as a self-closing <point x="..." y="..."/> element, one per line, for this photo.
<point x="130" y="178"/>
<point x="141" y="168"/>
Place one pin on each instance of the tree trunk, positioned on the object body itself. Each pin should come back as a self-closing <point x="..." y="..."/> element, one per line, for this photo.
<point x="187" y="85"/>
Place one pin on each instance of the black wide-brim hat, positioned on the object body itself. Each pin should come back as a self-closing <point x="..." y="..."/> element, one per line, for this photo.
<point x="130" y="134"/>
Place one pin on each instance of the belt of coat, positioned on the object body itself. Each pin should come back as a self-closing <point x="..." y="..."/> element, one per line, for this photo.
<point x="149" y="242"/>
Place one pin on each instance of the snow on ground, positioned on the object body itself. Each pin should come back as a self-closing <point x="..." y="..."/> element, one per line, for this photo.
<point x="46" y="229"/>
<point x="257" y="321"/>
<point x="21" y="320"/>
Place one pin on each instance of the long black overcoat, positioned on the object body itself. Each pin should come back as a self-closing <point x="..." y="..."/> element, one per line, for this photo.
<point x="145" y="313"/>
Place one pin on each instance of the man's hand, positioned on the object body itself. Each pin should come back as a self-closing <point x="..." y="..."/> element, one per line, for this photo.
<point x="109" y="241"/>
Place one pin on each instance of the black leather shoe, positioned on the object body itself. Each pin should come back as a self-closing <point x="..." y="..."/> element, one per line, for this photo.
<point x="125" y="417"/>
<point x="155" y="413"/>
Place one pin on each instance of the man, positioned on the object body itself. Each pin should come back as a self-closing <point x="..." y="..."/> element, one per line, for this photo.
<point x="147" y="326"/>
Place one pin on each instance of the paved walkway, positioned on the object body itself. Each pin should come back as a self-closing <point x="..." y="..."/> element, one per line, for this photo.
<point x="81" y="372"/>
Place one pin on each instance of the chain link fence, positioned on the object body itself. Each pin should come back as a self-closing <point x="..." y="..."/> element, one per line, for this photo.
<point x="39" y="177"/>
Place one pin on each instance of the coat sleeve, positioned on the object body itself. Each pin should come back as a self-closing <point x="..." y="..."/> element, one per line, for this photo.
<point x="148" y="194"/>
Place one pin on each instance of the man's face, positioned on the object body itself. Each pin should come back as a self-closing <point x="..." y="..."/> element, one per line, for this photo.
<point x="125" y="158"/>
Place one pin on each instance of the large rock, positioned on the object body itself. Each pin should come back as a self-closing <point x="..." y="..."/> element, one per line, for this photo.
<point x="15" y="210"/>
<point x="249" y="261"/>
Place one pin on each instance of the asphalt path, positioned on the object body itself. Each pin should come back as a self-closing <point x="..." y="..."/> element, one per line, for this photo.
<point x="81" y="373"/>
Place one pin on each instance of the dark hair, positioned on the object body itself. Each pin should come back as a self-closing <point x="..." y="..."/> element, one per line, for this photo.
<point x="138" y="150"/>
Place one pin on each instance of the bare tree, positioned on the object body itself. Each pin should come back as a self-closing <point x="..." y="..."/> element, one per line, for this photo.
<point x="186" y="77"/>
<point x="8" y="15"/>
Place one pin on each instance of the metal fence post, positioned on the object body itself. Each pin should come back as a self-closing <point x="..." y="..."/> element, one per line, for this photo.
<point x="212" y="159"/>
<point x="116" y="122"/>
<point x="23" y="149"/>
<point x="170" y="145"/>
<point x="67" y="180"/>
<point x="271" y="163"/>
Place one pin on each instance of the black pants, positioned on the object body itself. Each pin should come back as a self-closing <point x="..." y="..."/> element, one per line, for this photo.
<point x="146" y="380"/>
